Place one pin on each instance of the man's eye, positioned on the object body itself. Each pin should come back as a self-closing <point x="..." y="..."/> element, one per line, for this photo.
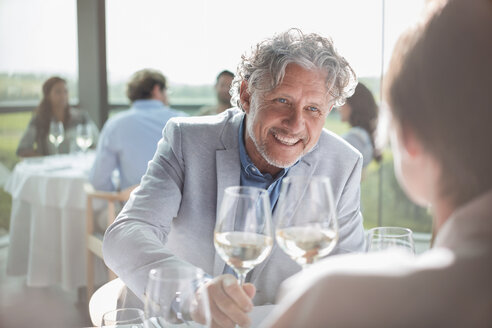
<point x="312" y="108"/>
<point x="282" y="100"/>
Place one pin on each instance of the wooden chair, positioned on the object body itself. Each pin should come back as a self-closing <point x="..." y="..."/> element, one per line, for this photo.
<point x="94" y="242"/>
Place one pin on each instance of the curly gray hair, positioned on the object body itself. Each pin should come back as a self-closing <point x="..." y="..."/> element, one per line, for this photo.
<point x="264" y="69"/>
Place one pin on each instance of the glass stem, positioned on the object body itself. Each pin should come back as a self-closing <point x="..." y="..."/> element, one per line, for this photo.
<point x="242" y="278"/>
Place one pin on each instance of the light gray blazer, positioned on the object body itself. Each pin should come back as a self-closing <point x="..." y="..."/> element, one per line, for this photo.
<point x="171" y="216"/>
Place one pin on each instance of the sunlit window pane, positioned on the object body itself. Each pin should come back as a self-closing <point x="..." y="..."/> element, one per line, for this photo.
<point x="38" y="39"/>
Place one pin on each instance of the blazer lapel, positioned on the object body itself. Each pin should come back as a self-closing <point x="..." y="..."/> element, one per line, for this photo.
<point x="305" y="168"/>
<point x="228" y="174"/>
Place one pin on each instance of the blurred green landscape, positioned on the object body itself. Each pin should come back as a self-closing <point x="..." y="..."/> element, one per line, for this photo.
<point x="396" y="209"/>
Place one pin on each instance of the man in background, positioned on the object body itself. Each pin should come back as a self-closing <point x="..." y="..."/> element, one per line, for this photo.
<point x="129" y="139"/>
<point x="222" y="87"/>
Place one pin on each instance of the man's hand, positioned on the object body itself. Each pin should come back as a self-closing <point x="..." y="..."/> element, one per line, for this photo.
<point x="229" y="302"/>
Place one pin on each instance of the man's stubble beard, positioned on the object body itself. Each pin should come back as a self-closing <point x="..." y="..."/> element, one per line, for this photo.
<point x="261" y="148"/>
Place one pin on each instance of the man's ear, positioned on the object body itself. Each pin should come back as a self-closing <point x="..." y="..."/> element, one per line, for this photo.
<point x="244" y="96"/>
<point x="155" y="92"/>
<point x="411" y="143"/>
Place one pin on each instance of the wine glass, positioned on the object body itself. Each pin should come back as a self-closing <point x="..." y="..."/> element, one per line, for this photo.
<point x="307" y="227"/>
<point x="125" y="317"/>
<point x="173" y="297"/>
<point x="57" y="134"/>
<point x="381" y="238"/>
<point x="84" y="136"/>
<point x="243" y="235"/>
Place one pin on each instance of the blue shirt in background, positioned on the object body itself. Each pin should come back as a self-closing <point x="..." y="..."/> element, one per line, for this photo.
<point x="128" y="142"/>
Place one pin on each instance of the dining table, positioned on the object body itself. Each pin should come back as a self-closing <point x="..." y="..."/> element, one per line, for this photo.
<point x="48" y="220"/>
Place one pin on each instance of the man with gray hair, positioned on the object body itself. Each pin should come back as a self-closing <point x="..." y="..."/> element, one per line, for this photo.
<point x="284" y="91"/>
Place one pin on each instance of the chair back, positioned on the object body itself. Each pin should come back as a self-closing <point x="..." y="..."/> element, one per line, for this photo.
<point x="94" y="242"/>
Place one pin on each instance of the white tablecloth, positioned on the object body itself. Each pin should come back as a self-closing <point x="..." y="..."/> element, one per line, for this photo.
<point x="47" y="224"/>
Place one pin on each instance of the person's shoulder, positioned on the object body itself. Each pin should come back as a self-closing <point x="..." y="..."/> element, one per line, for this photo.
<point x="207" y="130"/>
<point x="358" y="132"/>
<point x="175" y="112"/>
<point x="331" y="142"/>
<point x="212" y="121"/>
<point x="207" y="110"/>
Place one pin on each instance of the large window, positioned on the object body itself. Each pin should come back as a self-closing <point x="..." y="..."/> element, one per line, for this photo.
<point x="191" y="41"/>
<point x="38" y="39"/>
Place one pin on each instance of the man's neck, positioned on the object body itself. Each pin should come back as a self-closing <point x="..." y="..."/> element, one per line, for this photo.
<point x="442" y="210"/>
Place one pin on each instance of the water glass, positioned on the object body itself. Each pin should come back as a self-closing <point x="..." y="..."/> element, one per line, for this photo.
<point x="382" y="238"/>
<point x="126" y="317"/>
<point x="173" y="297"/>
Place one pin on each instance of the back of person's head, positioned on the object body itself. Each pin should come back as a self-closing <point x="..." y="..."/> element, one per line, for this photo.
<point x="142" y="82"/>
<point x="264" y="68"/>
<point x="439" y="86"/>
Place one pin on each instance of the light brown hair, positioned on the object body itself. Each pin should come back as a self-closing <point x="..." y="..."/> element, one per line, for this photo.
<point x="142" y="82"/>
<point x="439" y="84"/>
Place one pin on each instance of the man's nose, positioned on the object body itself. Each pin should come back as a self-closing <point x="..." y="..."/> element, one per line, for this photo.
<point x="295" y="120"/>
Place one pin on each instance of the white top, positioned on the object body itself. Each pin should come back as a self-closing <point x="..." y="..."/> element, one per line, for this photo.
<point x="360" y="139"/>
<point x="447" y="286"/>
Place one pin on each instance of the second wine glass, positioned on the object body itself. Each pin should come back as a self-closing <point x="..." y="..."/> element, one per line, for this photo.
<point x="307" y="226"/>
<point x="84" y="136"/>
<point x="243" y="234"/>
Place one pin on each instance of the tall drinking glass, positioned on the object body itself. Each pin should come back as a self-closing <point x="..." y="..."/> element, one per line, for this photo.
<point x="243" y="233"/>
<point x="84" y="136"/>
<point x="382" y="238"/>
<point x="173" y="297"/>
<point x="307" y="226"/>
<point x="57" y="134"/>
<point x="126" y="317"/>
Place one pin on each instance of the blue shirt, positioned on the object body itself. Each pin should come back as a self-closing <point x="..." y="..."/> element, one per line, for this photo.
<point x="128" y="142"/>
<point x="251" y="176"/>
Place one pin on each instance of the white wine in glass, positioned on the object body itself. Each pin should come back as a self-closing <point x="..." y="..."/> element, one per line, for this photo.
<point x="84" y="136"/>
<point x="243" y="233"/>
<point x="307" y="227"/>
<point x="57" y="134"/>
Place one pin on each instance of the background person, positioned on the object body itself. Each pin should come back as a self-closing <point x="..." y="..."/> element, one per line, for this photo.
<point x="221" y="88"/>
<point x="285" y="89"/>
<point x="129" y="139"/>
<point x="53" y="106"/>
<point x="361" y="112"/>
<point x="438" y="92"/>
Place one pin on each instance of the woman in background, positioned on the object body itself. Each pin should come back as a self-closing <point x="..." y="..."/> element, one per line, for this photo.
<point x="361" y="112"/>
<point x="53" y="106"/>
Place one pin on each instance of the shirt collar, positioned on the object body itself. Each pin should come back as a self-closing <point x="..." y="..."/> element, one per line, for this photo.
<point x="147" y="103"/>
